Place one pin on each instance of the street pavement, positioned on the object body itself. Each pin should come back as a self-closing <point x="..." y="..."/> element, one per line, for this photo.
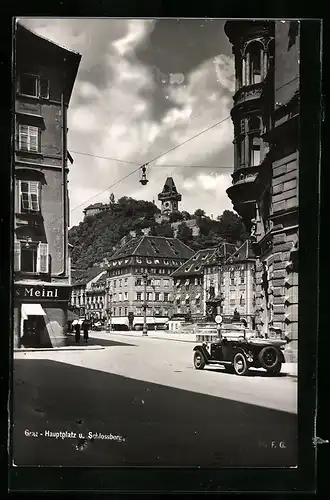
<point x="139" y="401"/>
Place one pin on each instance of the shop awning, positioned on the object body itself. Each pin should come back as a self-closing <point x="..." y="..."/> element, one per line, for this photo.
<point x="32" y="310"/>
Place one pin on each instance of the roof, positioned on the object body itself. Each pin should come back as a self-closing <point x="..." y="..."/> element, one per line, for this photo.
<point x="48" y="53"/>
<point x="96" y="205"/>
<point x="155" y="246"/>
<point x="169" y="190"/>
<point x="224" y="250"/>
<point x="85" y="276"/>
<point x="194" y="266"/>
<point x="244" y="252"/>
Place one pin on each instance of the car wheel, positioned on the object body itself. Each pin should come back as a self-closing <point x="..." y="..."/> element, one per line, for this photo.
<point x="276" y="370"/>
<point x="199" y="360"/>
<point x="240" y="364"/>
<point x="269" y="358"/>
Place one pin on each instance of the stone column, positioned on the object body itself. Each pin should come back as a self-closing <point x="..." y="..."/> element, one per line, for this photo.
<point x="247" y="70"/>
<point x="246" y="150"/>
<point x="243" y="69"/>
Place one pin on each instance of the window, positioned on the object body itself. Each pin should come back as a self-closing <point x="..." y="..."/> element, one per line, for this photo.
<point x="120" y="283"/>
<point x="242" y="277"/>
<point x="120" y="297"/>
<point x="254" y="149"/>
<point x="120" y="311"/>
<point x="126" y="310"/>
<point x="187" y="301"/>
<point x="232" y="277"/>
<point x="34" y="86"/>
<point x="157" y="297"/>
<point x="138" y="282"/>
<point x="166" y="296"/>
<point x="139" y="296"/>
<point x="254" y="52"/>
<point x="125" y="295"/>
<point x="166" y="283"/>
<point x="148" y="296"/>
<point x="28" y="138"/>
<point x="126" y="281"/>
<point x="156" y="283"/>
<point x="198" y="300"/>
<point x="114" y="283"/>
<point x="29" y="195"/>
<point x="31" y="257"/>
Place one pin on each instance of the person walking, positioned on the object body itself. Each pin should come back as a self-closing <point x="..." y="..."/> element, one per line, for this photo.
<point x="77" y="332"/>
<point x="85" y="327"/>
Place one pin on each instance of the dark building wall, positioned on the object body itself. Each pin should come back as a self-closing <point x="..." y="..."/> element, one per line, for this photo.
<point x="286" y="60"/>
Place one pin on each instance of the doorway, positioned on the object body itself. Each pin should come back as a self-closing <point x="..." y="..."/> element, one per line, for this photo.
<point x="32" y="328"/>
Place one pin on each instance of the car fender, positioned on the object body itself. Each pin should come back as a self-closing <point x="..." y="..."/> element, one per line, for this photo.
<point x="246" y="353"/>
<point x="282" y="358"/>
<point x="203" y="350"/>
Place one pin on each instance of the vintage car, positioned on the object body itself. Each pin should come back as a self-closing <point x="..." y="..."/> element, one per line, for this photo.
<point x="239" y="353"/>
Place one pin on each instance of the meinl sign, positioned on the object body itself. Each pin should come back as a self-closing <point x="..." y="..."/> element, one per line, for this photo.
<point x="37" y="293"/>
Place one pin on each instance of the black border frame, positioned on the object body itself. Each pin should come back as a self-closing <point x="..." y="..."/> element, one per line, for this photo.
<point x="155" y="480"/>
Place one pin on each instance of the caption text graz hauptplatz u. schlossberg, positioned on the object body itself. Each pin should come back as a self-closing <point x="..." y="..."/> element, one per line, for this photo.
<point x="74" y="435"/>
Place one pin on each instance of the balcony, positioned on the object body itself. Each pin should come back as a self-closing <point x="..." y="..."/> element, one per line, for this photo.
<point x="243" y="196"/>
<point x="248" y="93"/>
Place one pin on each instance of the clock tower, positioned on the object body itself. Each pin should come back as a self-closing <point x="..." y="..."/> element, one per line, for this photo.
<point x="169" y="197"/>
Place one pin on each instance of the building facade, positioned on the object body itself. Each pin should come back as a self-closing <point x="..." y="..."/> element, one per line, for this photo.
<point x="265" y="179"/>
<point x="45" y="74"/>
<point x="139" y="275"/>
<point x="94" y="209"/>
<point x="189" y="289"/>
<point x="214" y="284"/>
<point x="88" y="293"/>
<point x="238" y="286"/>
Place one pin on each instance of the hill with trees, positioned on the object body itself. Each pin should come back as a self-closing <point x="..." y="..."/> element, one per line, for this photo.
<point x="94" y="240"/>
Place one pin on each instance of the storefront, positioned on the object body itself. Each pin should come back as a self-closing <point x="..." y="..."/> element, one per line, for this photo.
<point x="41" y="314"/>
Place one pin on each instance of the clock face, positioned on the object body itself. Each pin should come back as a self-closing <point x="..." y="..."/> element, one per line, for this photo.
<point x="166" y="204"/>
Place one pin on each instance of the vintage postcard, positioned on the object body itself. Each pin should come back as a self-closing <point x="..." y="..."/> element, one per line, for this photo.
<point x="156" y="243"/>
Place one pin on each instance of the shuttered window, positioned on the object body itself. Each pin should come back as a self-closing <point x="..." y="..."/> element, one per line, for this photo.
<point x="31" y="257"/>
<point x="29" y="195"/>
<point x="28" y="138"/>
<point x="42" y="259"/>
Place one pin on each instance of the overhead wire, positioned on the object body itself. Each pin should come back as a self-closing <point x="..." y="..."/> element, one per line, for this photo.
<point x="145" y="164"/>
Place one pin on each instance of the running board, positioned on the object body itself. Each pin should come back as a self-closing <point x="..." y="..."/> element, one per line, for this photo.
<point x="212" y="362"/>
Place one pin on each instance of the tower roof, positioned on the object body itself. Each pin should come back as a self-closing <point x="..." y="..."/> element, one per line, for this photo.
<point x="169" y="191"/>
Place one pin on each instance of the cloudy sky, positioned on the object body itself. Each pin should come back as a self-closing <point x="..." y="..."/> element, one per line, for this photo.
<point x="143" y="88"/>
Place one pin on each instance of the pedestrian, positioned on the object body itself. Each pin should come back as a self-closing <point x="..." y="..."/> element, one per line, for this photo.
<point x="77" y="331"/>
<point x="85" y="327"/>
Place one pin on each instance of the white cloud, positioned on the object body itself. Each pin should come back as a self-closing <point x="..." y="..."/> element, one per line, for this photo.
<point x="117" y="119"/>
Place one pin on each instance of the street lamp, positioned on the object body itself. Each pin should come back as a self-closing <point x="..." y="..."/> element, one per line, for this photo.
<point x="145" y="326"/>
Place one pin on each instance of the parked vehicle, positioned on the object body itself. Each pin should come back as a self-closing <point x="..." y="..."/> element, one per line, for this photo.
<point x="239" y="354"/>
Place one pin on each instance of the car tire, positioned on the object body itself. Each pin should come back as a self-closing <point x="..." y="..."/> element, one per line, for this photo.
<point x="199" y="360"/>
<point x="276" y="370"/>
<point x="269" y="358"/>
<point x="240" y="364"/>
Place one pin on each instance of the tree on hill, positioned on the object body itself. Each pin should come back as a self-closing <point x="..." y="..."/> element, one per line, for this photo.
<point x="184" y="233"/>
<point x="95" y="238"/>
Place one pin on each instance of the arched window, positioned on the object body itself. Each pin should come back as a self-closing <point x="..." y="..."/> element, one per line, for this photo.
<point x="253" y="63"/>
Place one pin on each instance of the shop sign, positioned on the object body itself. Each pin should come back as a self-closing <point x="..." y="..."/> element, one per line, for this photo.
<point x="42" y="293"/>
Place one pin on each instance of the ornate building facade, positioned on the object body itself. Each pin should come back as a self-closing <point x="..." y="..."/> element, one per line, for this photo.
<point x="45" y="76"/>
<point x="188" y="295"/>
<point x="264" y="189"/>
